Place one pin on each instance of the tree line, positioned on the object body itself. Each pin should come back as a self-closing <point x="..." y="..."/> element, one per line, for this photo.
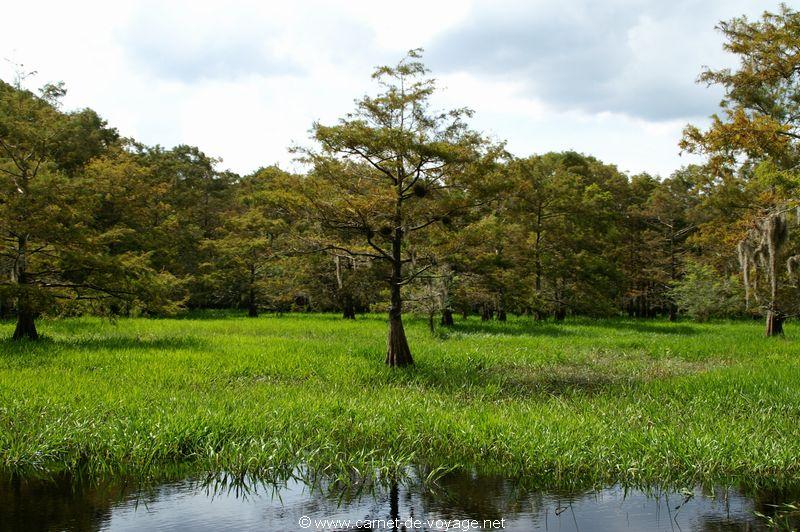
<point x="404" y="207"/>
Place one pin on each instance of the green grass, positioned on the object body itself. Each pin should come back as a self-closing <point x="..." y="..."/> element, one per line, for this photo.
<point x="637" y="402"/>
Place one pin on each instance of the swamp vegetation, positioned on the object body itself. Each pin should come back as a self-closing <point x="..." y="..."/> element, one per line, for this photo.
<point x="585" y="402"/>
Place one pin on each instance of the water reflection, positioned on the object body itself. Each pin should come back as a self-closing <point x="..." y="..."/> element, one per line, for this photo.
<point x="197" y="504"/>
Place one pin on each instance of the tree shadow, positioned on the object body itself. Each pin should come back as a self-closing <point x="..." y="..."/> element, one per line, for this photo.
<point x="501" y="382"/>
<point x="492" y="378"/>
<point x="169" y="343"/>
<point x="206" y="315"/>
<point x="225" y="314"/>
<point x="662" y="327"/>
<point x="520" y="327"/>
<point x="560" y="384"/>
<point x="48" y="346"/>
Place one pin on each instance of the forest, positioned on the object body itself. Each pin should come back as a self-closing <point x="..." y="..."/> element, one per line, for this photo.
<point x="415" y="295"/>
<point x="405" y="207"/>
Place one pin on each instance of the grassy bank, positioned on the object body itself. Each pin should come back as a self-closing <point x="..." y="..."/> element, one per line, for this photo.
<point x="587" y="401"/>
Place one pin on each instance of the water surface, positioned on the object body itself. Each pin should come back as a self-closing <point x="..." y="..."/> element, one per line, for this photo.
<point x="461" y="501"/>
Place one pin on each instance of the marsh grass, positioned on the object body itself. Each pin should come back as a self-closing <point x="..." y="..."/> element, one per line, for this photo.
<point x="581" y="403"/>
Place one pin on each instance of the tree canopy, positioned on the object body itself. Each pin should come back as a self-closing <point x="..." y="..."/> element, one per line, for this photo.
<point x="402" y="207"/>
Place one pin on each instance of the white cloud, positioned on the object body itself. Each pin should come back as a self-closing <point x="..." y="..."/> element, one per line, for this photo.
<point x="634" y="57"/>
<point x="244" y="80"/>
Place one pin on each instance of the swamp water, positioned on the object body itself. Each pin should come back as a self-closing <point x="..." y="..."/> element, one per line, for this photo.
<point x="460" y="502"/>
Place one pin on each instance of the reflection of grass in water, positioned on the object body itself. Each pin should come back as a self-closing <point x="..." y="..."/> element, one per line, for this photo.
<point x="582" y="402"/>
<point x="92" y="502"/>
<point x="783" y="517"/>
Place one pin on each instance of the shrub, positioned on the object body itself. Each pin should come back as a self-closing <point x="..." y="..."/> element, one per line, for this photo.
<point x="703" y="294"/>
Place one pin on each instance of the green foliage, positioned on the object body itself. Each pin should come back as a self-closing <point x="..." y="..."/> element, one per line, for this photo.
<point x="753" y="153"/>
<point x="761" y="111"/>
<point x="400" y="200"/>
<point x="703" y="294"/>
<point x="250" y="253"/>
<point x="57" y="254"/>
<point x="564" y="207"/>
<point x="388" y="172"/>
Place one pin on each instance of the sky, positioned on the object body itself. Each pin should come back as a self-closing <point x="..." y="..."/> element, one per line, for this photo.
<point x="245" y="80"/>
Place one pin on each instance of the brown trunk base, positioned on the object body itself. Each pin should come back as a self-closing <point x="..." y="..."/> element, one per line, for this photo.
<point x="447" y="317"/>
<point x="774" y="324"/>
<point x="26" y="327"/>
<point x="252" y="306"/>
<point x="5" y="309"/>
<point x="398" y="353"/>
<point x="348" y="307"/>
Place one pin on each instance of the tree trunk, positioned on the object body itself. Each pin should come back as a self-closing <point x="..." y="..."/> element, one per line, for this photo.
<point x="673" y="312"/>
<point x="397" y="353"/>
<point x="673" y="270"/>
<point x="26" y="316"/>
<point x="560" y="311"/>
<point x="348" y="307"/>
<point x="252" y="308"/>
<point x="537" y="255"/>
<point x="447" y="317"/>
<point x="431" y="325"/>
<point x="774" y="324"/>
<point x="26" y="325"/>
<point x="501" y="306"/>
<point x="774" y="318"/>
<point x="5" y="308"/>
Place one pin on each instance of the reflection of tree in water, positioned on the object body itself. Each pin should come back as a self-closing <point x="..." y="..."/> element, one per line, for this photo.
<point x="465" y="495"/>
<point x="462" y="495"/>
<point x="57" y="504"/>
<point x="72" y="502"/>
<point x="729" y="510"/>
<point x="69" y="503"/>
<point x="771" y="503"/>
<point x="493" y="497"/>
<point x="732" y="524"/>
